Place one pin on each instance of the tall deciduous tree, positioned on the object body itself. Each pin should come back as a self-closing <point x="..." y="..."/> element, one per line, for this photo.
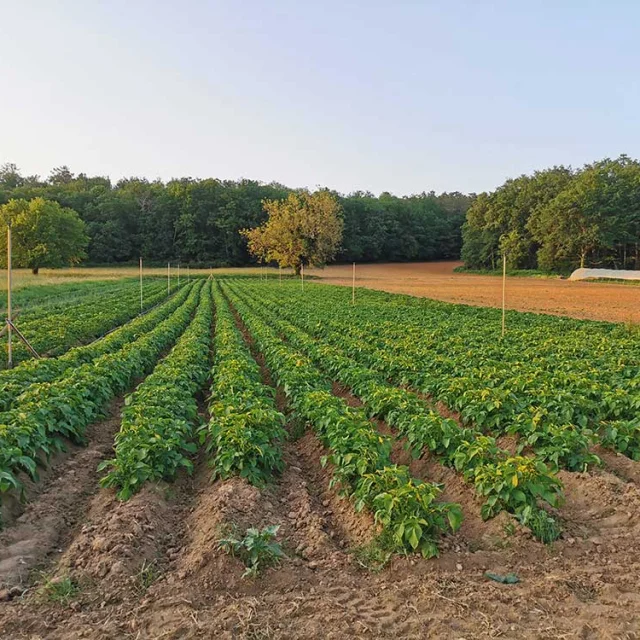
<point x="303" y="229"/>
<point x="588" y="222"/>
<point x="44" y="234"/>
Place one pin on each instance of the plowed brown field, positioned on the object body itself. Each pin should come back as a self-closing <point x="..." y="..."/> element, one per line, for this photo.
<point x="590" y="300"/>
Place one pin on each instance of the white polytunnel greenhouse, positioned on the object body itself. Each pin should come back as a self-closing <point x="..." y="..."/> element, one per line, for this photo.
<point x="617" y="274"/>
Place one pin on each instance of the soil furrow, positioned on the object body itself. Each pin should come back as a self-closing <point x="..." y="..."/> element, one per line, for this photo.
<point x="56" y="505"/>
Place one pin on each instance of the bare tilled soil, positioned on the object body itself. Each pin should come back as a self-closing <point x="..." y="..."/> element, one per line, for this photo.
<point x="587" y="300"/>
<point x="35" y="531"/>
<point x="151" y="567"/>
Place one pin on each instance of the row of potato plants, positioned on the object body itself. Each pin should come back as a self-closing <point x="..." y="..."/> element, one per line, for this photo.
<point x="54" y="333"/>
<point x="572" y="375"/>
<point x="560" y="445"/>
<point x="407" y="509"/>
<point x="515" y="484"/>
<point x="549" y="342"/>
<point x="599" y="358"/>
<point x="38" y="300"/>
<point x="158" y="429"/>
<point x="15" y="381"/>
<point x="50" y="412"/>
<point x="482" y="391"/>
<point x="245" y="432"/>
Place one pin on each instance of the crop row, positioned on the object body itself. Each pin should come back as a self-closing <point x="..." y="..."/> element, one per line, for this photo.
<point x="15" y="381"/>
<point x="48" y="412"/>
<point x="33" y="301"/>
<point x="560" y="419"/>
<point x="405" y="507"/>
<point x="586" y="372"/>
<point x="158" y="421"/>
<point x="511" y="483"/>
<point x="52" y="334"/>
<point x="245" y="430"/>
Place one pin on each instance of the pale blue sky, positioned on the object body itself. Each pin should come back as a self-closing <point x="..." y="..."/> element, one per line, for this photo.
<point x="398" y="96"/>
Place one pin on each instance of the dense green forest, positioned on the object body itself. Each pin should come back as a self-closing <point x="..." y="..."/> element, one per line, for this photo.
<point x="559" y="219"/>
<point x="198" y="221"/>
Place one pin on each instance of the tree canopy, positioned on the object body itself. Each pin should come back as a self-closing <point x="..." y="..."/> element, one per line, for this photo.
<point x="197" y="221"/>
<point x="43" y="234"/>
<point x="302" y="229"/>
<point x="559" y="219"/>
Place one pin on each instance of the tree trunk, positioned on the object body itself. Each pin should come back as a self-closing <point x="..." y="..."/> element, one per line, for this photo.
<point x="297" y="269"/>
<point x="583" y="255"/>
<point x="35" y="270"/>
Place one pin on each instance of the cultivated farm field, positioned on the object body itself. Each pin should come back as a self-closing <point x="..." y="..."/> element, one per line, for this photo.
<point x="411" y="473"/>
<point x="613" y="302"/>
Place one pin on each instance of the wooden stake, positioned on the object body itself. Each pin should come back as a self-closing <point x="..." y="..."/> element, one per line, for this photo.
<point x="504" y="289"/>
<point x="141" y="285"/>
<point x="10" y="325"/>
<point x="353" y="288"/>
<point x="9" y="319"/>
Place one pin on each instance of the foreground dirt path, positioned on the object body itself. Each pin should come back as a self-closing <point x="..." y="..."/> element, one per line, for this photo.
<point x="437" y="280"/>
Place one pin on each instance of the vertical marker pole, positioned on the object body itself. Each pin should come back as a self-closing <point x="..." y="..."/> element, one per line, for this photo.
<point x="280" y="273"/>
<point x="178" y="275"/>
<point x="504" y="288"/>
<point x="141" y="285"/>
<point x="188" y="274"/>
<point x="9" y="345"/>
<point x="168" y="278"/>
<point x="353" y="288"/>
<point x="302" y="273"/>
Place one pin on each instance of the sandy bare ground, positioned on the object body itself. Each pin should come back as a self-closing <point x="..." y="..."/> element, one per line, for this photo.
<point x="590" y="300"/>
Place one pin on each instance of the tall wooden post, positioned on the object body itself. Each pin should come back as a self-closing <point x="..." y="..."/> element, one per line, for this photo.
<point x="353" y="287"/>
<point x="141" y="305"/>
<point x="504" y="290"/>
<point x="9" y="316"/>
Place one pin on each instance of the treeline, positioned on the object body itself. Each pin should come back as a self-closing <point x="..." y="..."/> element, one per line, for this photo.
<point x="559" y="219"/>
<point x="198" y="221"/>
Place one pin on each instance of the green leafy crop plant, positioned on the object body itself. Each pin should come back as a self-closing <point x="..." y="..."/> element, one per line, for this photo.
<point x="359" y="455"/>
<point x="53" y="331"/>
<point x="258" y="549"/>
<point x="469" y="451"/>
<point x="245" y="431"/>
<point x="15" y="381"/>
<point x="157" y="434"/>
<point x="449" y="352"/>
<point x="49" y="412"/>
